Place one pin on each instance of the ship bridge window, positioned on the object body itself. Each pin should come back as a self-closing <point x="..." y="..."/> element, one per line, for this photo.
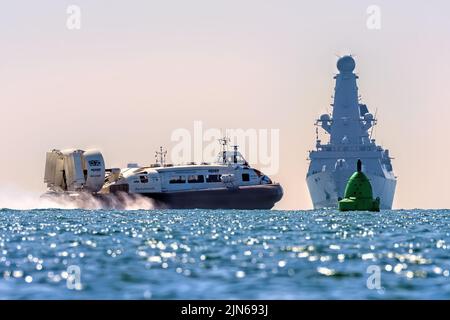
<point x="141" y="171"/>
<point x="258" y="173"/>
<point x="144" y="179"/>
<point x="177" y="179"/>
<point x="196" y="179"/>
<point x="213" y="178"/>
<point x="245" y="177"/>
<point x="235" y="159"/>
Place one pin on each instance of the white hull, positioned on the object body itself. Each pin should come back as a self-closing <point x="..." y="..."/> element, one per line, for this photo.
<point x="326" y="187"/>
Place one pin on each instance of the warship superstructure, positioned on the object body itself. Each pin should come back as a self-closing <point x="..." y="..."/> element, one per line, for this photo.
<point x="350" y="128"/>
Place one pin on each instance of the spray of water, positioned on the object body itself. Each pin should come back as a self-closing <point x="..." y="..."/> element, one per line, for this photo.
<point x="13" y="198"/>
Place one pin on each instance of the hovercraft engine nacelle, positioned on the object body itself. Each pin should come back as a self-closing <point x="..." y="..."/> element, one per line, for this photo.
<point x="74" y="170"/>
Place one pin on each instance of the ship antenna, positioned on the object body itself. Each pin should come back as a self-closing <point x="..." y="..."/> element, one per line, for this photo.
<point x="235" y="148"/>
<point x="358" y="165"/>
<point x="162" y="156"/>
<point x="224" y="143"/>
<point x="374" y="124"/>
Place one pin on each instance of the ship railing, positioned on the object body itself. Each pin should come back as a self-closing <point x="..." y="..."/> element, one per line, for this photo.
<point x="345" y="148"/>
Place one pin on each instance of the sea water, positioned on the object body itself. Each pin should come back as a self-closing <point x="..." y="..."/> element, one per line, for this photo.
<point x="224" y="254"/>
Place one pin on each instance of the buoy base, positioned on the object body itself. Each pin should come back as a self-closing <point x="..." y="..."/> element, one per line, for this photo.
<point x="359" y="204"/>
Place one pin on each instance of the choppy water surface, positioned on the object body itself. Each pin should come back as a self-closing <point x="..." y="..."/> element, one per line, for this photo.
<point x="198" y="254"/>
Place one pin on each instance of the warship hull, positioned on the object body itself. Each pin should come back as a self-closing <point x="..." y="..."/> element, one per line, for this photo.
<point x="326" y="188"/>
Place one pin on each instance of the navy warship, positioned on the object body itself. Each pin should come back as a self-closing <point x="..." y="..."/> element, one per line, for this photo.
<point x="350" y="127"/>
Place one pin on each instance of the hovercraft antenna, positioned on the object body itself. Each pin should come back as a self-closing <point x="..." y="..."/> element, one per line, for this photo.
<point x="162" y="156"/>
<point x="224" y="143"/>
<point x="235" y="153"/>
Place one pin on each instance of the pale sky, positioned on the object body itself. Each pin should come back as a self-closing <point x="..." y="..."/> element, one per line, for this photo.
<point x="137" y="70"/>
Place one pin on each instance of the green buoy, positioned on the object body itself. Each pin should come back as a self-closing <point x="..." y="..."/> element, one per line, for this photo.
<point x="358" y="194"/>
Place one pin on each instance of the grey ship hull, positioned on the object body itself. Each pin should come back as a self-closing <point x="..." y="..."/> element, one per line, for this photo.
<point x="326" y="187"/>
<point x="244" y="197"/>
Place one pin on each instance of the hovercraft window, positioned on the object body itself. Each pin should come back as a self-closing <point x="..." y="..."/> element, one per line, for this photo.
<point x="144" y="179"/>
<point x="178" y="179"/>
<point x="245" y="177"/>
<point x="196" y="179"/>
<point x="213" y="178"/>
<point x="258" y="173"/>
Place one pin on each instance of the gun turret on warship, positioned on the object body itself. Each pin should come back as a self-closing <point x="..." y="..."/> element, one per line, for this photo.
<point x="350" y="128"/>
